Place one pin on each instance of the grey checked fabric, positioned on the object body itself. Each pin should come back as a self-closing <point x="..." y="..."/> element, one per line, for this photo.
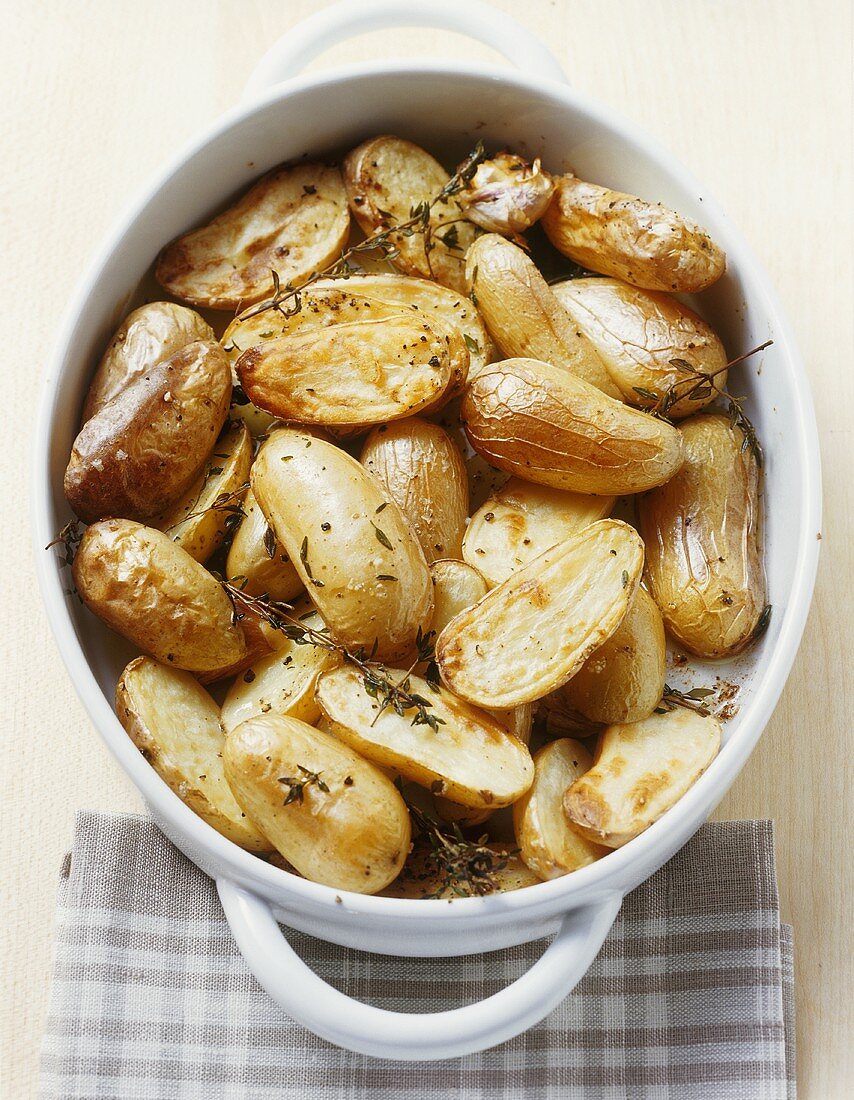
<point x="690" y="997"/>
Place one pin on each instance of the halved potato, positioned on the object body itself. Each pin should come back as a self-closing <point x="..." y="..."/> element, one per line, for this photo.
<point x="144" y="448"/>
<point x="649" y="342"/>
<point x="423" y="472"/>
<point x="523" y="316"/>
<point x="521" y="521"/>
<point x="641" y="242"/>
<point x="336" y="818"/>
<point x="546" y="842"/>
<point x="175" y="725"/>
<point x="507" y="194"/>
<point x="293" y="221"/>
<point x="282" y="682"/>
<point x="199" y="521"/>
<point x="546" y="426"/>
<point x="257" y="561"/>
<point x="703" y="535"/>
<point x="641" y="770"/>
<point x="623" y="680"/>
<point x="350" y="544"/>
<point x="470" y="757"/>
<point x="350" y="375"/>
<point x="456" y="586"/>
<point x="422" y="878"/>
<point x="151" y="591"/>
<point x="386" y="178"/>
<point x="534" y="631"/>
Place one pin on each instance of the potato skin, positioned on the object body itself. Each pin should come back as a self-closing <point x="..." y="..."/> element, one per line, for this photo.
<point x="524" y="317"/>
<point x="423" y="472"/>
<point x="151" y="591"/>
<point x="644" y="338"/>
<point x="623" y="680"/>
<point x="265" y="574"/>
<point x="353" y="836"/>
<point x="703" y="535"/>
<point x="335" y="521"/>
<point x="640" y="242"/>
<point x="142" y="450"/>
<point x="456" y="586"/>
<point x="294" y="220"/>
<point x="544" y="425"/>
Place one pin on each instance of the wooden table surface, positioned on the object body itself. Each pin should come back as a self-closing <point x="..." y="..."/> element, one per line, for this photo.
<point x="755" y="98"/>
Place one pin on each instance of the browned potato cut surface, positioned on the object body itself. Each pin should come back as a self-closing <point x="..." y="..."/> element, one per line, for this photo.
<point x="546" y="426"/>
<point x="332" y="815"/>
<point x="175" y="725"/>
<point x="641" y="770"/>
<point x="534" y="631"/>
<point x="524" y="317"/>
<point x="147" y="588"/>
<point x="641" y="242"/>
<point x="703" y="535"/>
<point x="294" y="221"/>
<point x="257" y="561"/>
<point x="423" y="472"/>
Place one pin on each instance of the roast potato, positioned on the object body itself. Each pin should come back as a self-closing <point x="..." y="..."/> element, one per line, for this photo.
<point x="522" y="520"/>
<point x="386" y="179"/>
<point x="534" y="631"/>
<point x="422" y="470"/>
<point x="148" y="589"/>
<point x="351" y="375"/>
<point x="641" y="769"/>
<point x="350" y="544"/>
<point x="523" y="316"/>
<point x="469" y="757"/>
<point x="642" y="243"/>
<point x="623" y="680"/>
<point x="546" y="842"/>
<point x="704" y="541"/>
<point x="456" y="586"/>
<point x="507" y="194"/>
<point x="336" y="818"/>
<point x="423" y="879"/>
<point x="199" y="521"/>
<point x="649" y="342"/>
<point x="293" y="221"/>
<point x="147" y="337"/>
<point x="546" y="426"/>
<point x="145" y="447"/>
<point x="256" y="561"/>
<point x="175" y="725"/>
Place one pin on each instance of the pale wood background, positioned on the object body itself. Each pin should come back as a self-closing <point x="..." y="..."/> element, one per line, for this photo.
<point x="755" y="97"/>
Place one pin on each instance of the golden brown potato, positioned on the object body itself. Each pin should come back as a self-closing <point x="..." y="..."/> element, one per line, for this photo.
<point x="546" y="842"/>
<point x="507" y="194"/>
<point x="293" y="221"/>
<point x="351" y="544"/>
<point x="703" y="535"/>
<point x="641" y="242"/>
<point x="256" y="561"/>
<point x="336" y="818"/>
<point x="534" y="631"/>
<point x="456" y="586"/>
<point x="469" y="757"/>
<point x="199" y="521"/>
<point x="649" y="342"/>
<point x="483" y="479"/>
<point x="147" y="588"/>
<point x="422" y="470"/>
<point x="423" y="879"/>
<point x="142" y="450"/>
<point x="523" y="316"/>
<point x="521" y="521"/>
<point x="350" y="375"/>
<point x="386" y="178"/>
<point x="641" y="770"/>
<point x="147" y="337"/>
<point x="546" y="426"/>
<point x="623" y="680"/>
<point x="175" y="725"/>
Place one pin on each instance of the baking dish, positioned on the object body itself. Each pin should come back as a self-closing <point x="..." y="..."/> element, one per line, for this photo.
<point x="445" y="107"/>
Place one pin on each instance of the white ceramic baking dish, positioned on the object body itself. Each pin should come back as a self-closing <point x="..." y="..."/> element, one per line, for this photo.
<point x="445" y="107"/>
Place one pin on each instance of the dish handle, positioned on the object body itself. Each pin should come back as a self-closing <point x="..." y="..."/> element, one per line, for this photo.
<point x="405" y="1036"/>
<point x="289" y="55"/>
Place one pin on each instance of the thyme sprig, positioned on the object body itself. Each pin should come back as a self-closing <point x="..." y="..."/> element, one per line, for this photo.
<point x="69" y="538"/>
<point x="296" y="784"/>
<point x="691" y="700"/>
<point x="231" y="503"/>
